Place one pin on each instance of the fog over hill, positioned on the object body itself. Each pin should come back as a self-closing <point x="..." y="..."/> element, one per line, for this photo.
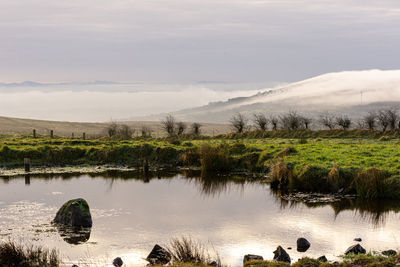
<point x="349" y="92"/>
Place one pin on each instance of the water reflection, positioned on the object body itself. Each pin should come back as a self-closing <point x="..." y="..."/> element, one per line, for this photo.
<point x="133" y="211"/>
<point x="72" y="235"/>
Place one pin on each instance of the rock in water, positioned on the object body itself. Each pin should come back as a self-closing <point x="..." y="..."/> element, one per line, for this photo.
<point x="355" y="249"/>
<point x="75" y="213"/>
<point x="117" y="262"/>
<point x="358" y="239"/>
<point x="281" y="255"/>
<point x="389" y="252"/>
<point x="251" y="257"/>
<point x="303" y="245"/>
<point x="159" y="255"/>
<point x="322" y="259"/>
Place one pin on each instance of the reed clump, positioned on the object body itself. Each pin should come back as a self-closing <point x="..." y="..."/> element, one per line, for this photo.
<point x="187" y="250"/>
<point x="15" y="255"/>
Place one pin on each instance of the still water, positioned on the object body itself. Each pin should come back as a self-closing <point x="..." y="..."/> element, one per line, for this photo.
<point x="131" y="214"/>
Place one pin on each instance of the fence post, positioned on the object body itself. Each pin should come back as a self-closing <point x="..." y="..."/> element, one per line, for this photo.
<point x="27" y="164"/>
<point x="51" y="134"/>
<point x="84" y="136"/>
<point x="34" y="133"/>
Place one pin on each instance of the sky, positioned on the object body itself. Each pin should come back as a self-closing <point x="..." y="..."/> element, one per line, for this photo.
<point x="195" y="40"/>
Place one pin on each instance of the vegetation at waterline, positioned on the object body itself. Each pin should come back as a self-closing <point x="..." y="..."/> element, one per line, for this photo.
<point x="12" y="254"/>
<point x="363" y="162"/>
<point x="360" y="260"/>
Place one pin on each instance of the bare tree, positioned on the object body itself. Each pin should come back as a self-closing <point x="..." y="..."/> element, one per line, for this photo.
<point x="196" y="128"/>
<point x="168" y="124"/>
<point x="181" y="127"/>
<point x="145" y="131"/>
<point x="112" y="129"/>
<point x="238" y="123"/>
<point x="392" y="116"/>
<point x="305" y="122"/>
<point x="125" y="132"/>
<point x="344" y="122"/>
<point x="291" y="120"/>
<point x="274" y="122"/>
<point x="383" y="120"/>
<point x="370" y="120"/>
<point x="327" y="120"/>
<point x="261" y="121"/>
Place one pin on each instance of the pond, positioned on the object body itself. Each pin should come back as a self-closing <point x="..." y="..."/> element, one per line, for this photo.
<point x="235" y="217"/>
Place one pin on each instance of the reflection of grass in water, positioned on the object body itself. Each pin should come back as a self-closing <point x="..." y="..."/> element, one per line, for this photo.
<point x="374" y="211"/>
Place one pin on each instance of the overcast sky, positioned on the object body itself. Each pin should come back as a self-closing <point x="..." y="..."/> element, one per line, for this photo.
<point x="195" y="40"/>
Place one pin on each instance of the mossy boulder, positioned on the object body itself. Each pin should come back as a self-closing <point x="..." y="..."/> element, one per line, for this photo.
<point x="74" y="213"/>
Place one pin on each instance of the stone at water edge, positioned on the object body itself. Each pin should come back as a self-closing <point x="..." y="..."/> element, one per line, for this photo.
<point x="74" y="213"/>
<point x="117" y="262"/>
<point x="389" y="252"/>
<point x="355" y="249"/>
<point x="281" y="255"/>
<point x="357" y="239"/>
<point x="251" y="257"/>
<point x="159" y="255"/>
<point x="322" y="259"/>
<point x="302" y="244"/>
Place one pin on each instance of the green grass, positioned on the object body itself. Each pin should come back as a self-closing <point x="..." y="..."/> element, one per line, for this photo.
<point x="312" y="164"/>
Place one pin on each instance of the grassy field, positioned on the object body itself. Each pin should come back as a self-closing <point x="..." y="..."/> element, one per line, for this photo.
<point x="323" y="164"/>
<point x="65" y="129"/>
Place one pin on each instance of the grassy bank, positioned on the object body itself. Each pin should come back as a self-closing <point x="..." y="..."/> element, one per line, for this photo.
<point x="367" y="166"/>
<point x="365" y="260"/>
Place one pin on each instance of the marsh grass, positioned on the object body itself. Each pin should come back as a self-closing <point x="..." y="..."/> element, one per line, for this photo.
<point x="281" y="174"/>
<point x="187" y="250"/>
<point x="12" y="254"/>
<point x="370" y="183"/>
<point x="214" y="158"/>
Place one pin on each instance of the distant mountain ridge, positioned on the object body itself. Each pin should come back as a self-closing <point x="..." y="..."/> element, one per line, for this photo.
<point x="348" y="92"/>
<point x="38" y="84"/>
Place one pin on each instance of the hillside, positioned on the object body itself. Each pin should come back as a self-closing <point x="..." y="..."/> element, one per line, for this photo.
<point x="62" y="128"/>
<point x="350" y="92"/>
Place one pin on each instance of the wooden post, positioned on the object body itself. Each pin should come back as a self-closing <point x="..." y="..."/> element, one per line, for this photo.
<point x="51" y="134"/>
<point x="27" y="179"/>
<point x="27" y="164"/>
<point x="84" y="136"/>
<point x="73" y="135"/>
<point x="34" y="133"/>
<point x="146" y="166"/>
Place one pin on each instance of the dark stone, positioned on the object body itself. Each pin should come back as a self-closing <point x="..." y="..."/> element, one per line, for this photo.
<point x="159" y="255"/>
<point x="355" y="249"/>
<point x="303" y="245"/>
<point x="358" y="239"/>
<point x="75" y="265"/>
<point x="281" y="255"/>
<point x="389" y="252"/>
<point x="213" y="263"/>
<point x="289" y="248"/>
<point x="117" y="262"/>
<point x="251" y="257"/>
<point x="75" y="213"/>
<point x="322" y="259"/>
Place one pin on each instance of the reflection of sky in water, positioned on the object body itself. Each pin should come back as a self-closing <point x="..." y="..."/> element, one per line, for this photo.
<point x="131" y="216"/>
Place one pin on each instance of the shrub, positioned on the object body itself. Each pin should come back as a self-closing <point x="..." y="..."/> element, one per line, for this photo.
<point x="370" y="183"/>
<point x="14" y="255"/>
<point x="214" y="158"/>
<point x="392" y="187"/>
<point x="191" y="157"/>
<point x="186" y="250"/>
